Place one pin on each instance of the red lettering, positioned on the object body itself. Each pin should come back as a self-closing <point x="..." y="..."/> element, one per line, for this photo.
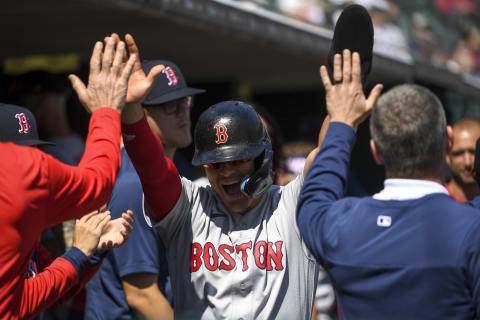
<point x="209" y="264"/>
<point x="222" y="135"/>
<point x="275" y="256"/>
<point x="23" y="123"/>
<point x="195" y="261"/>
<point x="260" y="257"/>
<point x="222" y="249"/>
<point x="243" y="249"/>
<point x="171" y="76"/>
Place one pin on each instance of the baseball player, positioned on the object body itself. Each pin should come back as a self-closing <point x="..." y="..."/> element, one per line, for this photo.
<point x="233" y="249"/>
<point x="135" y="275"/>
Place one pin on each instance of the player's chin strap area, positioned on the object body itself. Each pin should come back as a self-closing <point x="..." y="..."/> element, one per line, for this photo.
<point x="260" y="180"/>
<point x="476" y="166"/>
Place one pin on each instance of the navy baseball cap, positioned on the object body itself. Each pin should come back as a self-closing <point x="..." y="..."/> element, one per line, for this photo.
<point x="18" y="125"/>
<point x="169" y="84"/>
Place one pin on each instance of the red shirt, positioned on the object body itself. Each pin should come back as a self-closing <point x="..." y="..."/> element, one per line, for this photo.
<point x="37" y="192"/>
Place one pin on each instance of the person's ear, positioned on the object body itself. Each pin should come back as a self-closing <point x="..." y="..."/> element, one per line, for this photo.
<point x="449" y="143"/>
<point x="376" y="153"/>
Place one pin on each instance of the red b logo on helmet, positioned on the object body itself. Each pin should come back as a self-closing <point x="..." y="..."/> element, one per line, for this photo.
<point x="23" y="122"/>
<point x="222" y="136"/>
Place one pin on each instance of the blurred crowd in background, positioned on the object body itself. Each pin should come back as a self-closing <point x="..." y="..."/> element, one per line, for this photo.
<point x="444" y="33"/>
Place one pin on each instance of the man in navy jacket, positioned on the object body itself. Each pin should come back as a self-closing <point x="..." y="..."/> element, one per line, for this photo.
<point x="410" y="251"/>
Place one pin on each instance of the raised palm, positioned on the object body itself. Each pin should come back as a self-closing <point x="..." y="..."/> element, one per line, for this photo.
<point x="139" y="84"/>
<point x="116" y="232"/>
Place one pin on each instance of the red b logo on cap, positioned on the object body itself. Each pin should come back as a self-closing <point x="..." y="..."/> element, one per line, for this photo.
<point x="222" y="136"/>
<point x="23" y="122"/>
<point x="171" y="76"/>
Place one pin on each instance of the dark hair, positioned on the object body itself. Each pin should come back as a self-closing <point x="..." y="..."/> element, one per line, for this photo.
<point x="408" y="126"/>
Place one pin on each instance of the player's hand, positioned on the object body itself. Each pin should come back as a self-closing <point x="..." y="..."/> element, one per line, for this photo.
<point x="116" y="231"/>
<point x="88" y="230"/>
<point x="139" y="84"/>
<point x="345" y="99"/>
<point x="108" y="78"/>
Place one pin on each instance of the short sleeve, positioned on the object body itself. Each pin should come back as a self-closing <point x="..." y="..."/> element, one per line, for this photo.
<point x="143" y="252"/>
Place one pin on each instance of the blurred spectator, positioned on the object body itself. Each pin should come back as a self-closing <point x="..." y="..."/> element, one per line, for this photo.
<point x="424" y="42"/>
<point x="311" y="11"/>
<point x="462" y="187"/>
<point x="453" y="6"/>
<point x="465" y="57"/>
<point x="293" y="155"/>
<point x="389" y="38"/>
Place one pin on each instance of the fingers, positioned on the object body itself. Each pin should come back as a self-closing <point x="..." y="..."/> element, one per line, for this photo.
<point x="95" y="60"/>
<point x="154" y="72"/>
<point x="374" y="94"/>
<point x="117" y="39"/>
<point x="108" y="55"/>
<point x="128" y="216"/>
<point x="133" y="49"/>
<point x="118" y="60"/>
<point x="356" y="68"/>
<point x="337" y="68"/>
<point x="103" y="219"/>
<point x="127" y="71"/>
<point x="79" y="88"/>
<point x="325" y="78"/>
<point x="88" y="216"/>
<point x="347" y="66"/>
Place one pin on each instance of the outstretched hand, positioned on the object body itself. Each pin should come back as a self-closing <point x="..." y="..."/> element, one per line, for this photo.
<point x="108" y="78"/>
<point x="139" y="84"/>
<point x="116" y="231"/>
<point x="344" y="98"/>
<point x="88" y="230"/>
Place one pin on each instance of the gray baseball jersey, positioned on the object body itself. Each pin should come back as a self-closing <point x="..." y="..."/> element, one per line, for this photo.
<point x="229" y="266"/>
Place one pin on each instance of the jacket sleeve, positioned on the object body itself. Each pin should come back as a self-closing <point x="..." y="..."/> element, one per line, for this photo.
<point x="159" y="177"/>
<point x="325" y="183"/>
<point x="55" y="281"/>
<point x="74" y="191"/>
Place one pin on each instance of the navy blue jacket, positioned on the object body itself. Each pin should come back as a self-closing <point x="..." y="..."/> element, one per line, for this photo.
<point x="423" y="264"/>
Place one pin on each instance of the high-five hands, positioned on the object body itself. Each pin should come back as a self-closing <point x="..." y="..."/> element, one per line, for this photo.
<point x="96" y="231"/>
<point x="344" y="98"/>
<point x="108" y="78"/>
<point x="116" y="231"/>
<point x="139" y="84"/>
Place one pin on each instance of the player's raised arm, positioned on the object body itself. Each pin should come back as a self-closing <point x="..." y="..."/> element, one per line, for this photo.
<point x="159" y="176"/>
<point x="347" y="108"/>
<point x="76" y="190"/>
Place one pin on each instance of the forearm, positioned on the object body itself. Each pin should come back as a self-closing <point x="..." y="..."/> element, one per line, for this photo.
<point x="313" y="154"/>
<point x="326" y="180"/>
<point x="153" y="307"/>
<point x="143" y="295"/>
<point x="52" y="283"/>
<point x="94" y="265"/>
<point x="158" y="175"/>
<point x="77" y="190"/>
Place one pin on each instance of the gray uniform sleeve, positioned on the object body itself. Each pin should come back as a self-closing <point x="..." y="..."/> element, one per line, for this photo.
<point x="171" y="225"/>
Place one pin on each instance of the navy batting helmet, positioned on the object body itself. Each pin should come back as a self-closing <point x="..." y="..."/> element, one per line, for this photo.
<point x="232" y="130"/>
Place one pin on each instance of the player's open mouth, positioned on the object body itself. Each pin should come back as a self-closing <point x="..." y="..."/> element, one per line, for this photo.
<point x="233" y="190"/>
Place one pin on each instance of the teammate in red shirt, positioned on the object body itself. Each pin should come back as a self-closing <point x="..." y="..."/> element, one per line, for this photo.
<point x="37" y="191"/>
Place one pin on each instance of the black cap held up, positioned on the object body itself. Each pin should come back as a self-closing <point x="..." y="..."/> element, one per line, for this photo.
<point x="18" y="125"/>
<point x="353" y="31"/>
<point x="169" y="85"/>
